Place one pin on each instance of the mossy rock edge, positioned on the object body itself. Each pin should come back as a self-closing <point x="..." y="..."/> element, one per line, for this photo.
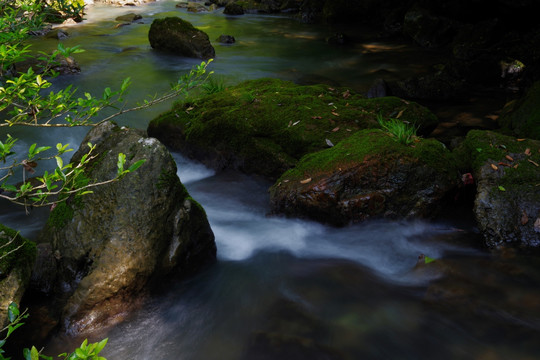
<point x="265" y="126"/>
<point x="368" y="175"/>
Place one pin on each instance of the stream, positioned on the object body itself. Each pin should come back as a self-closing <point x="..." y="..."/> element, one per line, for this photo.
<point x="288" y="288"/>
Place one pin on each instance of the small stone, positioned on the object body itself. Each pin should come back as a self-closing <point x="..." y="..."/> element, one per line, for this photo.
<point x="226" y="39"/>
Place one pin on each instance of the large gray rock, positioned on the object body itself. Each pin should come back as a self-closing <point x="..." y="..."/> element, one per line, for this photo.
<point x="17" y="255"/>
<point x="178" y="36"/>
<point x="109" y="245"/>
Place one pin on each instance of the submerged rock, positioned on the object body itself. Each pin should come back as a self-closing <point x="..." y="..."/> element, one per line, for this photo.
<point x="17" y="256"/>
<point x="111" y="244"/>
<point x="265" y="126"/>
<point x="131" y="17"/>
<point x="172" y="34"/>
<point x="367" y="175"/>
<point x="507" y="173"/>
<point x="226" y="39"/>
<point x="233" y="9"/>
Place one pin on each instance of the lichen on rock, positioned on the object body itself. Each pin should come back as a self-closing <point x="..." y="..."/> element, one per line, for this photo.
<point x="113" y="244"/>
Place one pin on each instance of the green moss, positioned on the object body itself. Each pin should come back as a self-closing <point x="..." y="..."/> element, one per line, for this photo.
<point x="174" y="23"/>
<point x="281" y="117"/>
<point x="21" y="257"/>
<point x="523" y="119"/>
<point x="167" y="179"/>
<point x="63" y="213"/>
<point x="481" y="147"/>
<point x="366" y="144"/>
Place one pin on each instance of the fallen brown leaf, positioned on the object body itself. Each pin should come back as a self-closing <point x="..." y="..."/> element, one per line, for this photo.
<point x="509" y="158"/>
<point x="516" y="166"/>
<point x="399" y="114"/>
<point x="331" y="89"/>
<point x="528" y="152"/>
<point x="346" y="94"/>
<point x="308" y="180"/>
<point x="532" y="162"/>
<point x="521" y="139"/>
<point x="316" y="117"/>
<point x="335" y="113"/>
<point x="524" y="218"/>
<point x="494" y="167"/>
<point x="537" y="225"/>
<point x="504" y="164"/>
<point x="335" y="129"/>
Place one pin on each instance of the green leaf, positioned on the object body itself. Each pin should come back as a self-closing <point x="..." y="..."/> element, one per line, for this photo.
<point x="13" y="312"/>
<point x="8" y="187"/>
<point x="479" y="149"/>
<point x="120" y="164"/>
<point x="27" y="355"/>
<point x="136" y="165"/>
<point x="34" y="353"/>
<point x="80" y="353"/>
<point x="59" y="162"/>
<point x="501" y="188"/>
<point x="428" y="260"/>
<point x="101" y="345"/>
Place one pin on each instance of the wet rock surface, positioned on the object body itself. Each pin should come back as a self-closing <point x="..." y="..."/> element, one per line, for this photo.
<point x="368" y="175"/>
<point x="112" y="245"/>
<point x="177" y="36"/>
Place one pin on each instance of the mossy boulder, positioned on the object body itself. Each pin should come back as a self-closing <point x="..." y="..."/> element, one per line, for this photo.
<point x="233" y="9"/>
<point x="180" y="37"/>
<point x="17" y="256"/>
<point x="111" y="245"/>
<point x="368" y="175"/>
<point x="507" y="173"/>
<point x="522" y="117"/>
<point x="265" y="126"/>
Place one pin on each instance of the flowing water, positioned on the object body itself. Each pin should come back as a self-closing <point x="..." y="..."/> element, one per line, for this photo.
<point x="293" y="289"/>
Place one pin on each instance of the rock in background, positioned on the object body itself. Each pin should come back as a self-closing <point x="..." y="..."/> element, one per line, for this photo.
<point x="179" y="37"/>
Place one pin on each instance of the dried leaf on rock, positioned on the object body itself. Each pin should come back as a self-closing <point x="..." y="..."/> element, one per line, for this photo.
<point x="524" y="218"/>
<point x="509" y="158"/>
<point x="494" y="167"/>
<point x="306" y="181"/>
